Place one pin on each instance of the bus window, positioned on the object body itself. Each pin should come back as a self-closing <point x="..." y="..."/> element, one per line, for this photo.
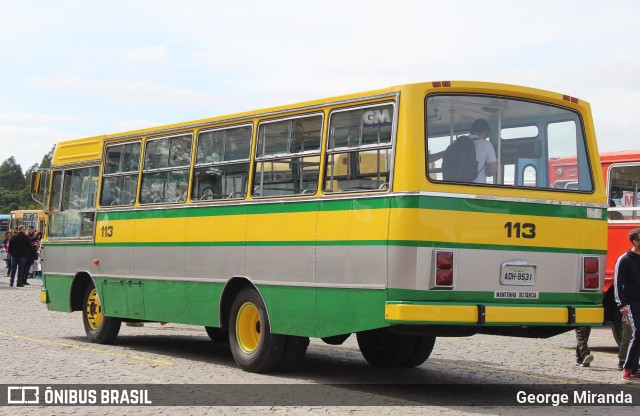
<point x="288" y="157"/>
<point x="120" y="178"/>
<point x="75" y="215"/>
<point x="359" y="149"/>
<point x="530" y="136"/>
<point x="624" y="181"/>
<point x="165" y="174"/>
<point x="222" y="164"/>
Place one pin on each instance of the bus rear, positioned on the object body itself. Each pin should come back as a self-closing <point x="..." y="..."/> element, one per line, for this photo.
<point x="505" y="253"/>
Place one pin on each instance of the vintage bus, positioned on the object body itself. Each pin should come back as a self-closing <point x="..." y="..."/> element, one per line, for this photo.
<point x="35" y="218"/>
<point x="330" y="218"/>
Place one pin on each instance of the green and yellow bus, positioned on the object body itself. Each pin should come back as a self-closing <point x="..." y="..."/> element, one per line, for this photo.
<point x="333" y="217"/>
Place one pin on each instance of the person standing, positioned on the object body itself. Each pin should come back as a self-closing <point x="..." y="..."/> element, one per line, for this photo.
<point x="624" y="343"/>
<point x="627" y="293"/>
<point x="583" y="354"/>
<point x="19" y="248"/>
<point x="7" y="238"/>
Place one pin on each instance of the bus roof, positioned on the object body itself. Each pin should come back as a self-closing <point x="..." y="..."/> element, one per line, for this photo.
<point x="620" y="156"/>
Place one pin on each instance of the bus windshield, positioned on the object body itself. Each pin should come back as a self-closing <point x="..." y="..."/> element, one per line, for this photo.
<point x="521" y="139"/>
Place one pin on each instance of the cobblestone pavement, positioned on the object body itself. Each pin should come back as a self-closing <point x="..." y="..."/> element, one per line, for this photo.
<point x="42" y="347"/>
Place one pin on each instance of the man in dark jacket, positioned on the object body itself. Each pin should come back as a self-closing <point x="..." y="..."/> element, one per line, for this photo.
<point x="19" y="249"/>
<point x="627" y="291"/>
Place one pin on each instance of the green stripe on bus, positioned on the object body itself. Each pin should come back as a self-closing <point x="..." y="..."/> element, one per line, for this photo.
<point x="352" y="243"/>
<point x="362" y="203"/>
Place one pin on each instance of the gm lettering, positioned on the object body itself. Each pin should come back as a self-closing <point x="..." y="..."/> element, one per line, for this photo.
<point x="376" y="118"/>
<point x="520" y="230"/>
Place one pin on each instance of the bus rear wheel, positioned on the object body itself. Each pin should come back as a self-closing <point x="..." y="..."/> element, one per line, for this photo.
<point x="254" y="347"/>
<point x="382" y="348"/>
<point x="422" y="348"/>
<point x="99" y="328"/>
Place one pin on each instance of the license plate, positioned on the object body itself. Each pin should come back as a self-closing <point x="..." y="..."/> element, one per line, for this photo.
<point x="518" y="275"/>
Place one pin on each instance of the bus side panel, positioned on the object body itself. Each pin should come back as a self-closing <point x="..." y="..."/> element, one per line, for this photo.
<point x="292" y="310"/>
<point x="344" y="311"/>
<point x="159" y="244"/>
<point x="58" y="290"/>
<point x="203" y="303"/>
<point x="165" y="301"/>
<point x="352" y="264"/>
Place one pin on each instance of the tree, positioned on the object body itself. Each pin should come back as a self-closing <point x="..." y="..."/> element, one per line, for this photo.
<point x="46" y="159"/>
<point x="14" y="185"/>
<point x="11" y="176"/>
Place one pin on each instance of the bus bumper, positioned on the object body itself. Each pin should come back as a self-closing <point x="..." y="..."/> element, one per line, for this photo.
<point x="431" y="313"/>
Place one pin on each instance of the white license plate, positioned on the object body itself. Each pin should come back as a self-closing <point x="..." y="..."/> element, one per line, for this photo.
<point x="518" y="275"/>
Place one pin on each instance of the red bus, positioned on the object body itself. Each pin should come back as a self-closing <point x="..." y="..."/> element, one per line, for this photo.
<point x="621" y="171"/>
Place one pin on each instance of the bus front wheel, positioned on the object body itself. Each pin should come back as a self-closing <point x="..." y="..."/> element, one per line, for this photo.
<point x="99" y="328"/>
<point x="254" y="347"/>
<point x="217" y="335"/>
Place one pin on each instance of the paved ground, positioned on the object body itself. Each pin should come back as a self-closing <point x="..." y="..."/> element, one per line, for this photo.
<point x="42" y="347"/>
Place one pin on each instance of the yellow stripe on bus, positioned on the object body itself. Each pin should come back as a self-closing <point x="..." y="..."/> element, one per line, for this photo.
<point x="407" y="224"/>
<point x="486" y="228"/>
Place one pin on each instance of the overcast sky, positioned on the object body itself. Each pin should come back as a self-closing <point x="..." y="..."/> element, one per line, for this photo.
<point x="74" y="69"/>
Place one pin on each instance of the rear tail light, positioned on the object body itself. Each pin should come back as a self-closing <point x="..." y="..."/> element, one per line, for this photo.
<point x="591" y="273"/>
<point x="444" y="268"/>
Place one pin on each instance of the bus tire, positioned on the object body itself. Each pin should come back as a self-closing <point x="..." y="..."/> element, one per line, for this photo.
<point x="616" y="326"/>
<point x="382" y="348"/>
<point x="422" y="349"/>
<point x="294" y="351"/>
<point x="217" y="335"/>
<point x="254" y="347"/>
<point x="99" y="328"/>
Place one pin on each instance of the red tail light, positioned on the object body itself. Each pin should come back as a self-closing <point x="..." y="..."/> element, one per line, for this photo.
<point x="591" y="272"/>
<point x="444" y="268"/>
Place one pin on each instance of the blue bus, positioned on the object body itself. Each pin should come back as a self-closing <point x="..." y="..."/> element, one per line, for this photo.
<point x="4" y="224"/>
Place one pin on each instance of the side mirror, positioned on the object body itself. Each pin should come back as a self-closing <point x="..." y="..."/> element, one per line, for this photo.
<point x="35" y="182"/>
<point x="39" y="183"/>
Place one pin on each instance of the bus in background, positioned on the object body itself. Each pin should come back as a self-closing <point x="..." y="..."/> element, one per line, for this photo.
<point x="621" y="173"/>
<point x="4" y="224"/>
<point x="29" y="218"/>
<point x="335" y="217"/>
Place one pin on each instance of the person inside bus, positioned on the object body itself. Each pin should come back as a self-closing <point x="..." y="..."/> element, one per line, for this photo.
<point x="485" y="154"/>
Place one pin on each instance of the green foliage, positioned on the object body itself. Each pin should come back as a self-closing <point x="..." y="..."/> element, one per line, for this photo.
<point x="14" y="185"/>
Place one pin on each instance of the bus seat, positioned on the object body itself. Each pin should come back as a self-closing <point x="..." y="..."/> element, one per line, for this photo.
<point x="616" y="215"/>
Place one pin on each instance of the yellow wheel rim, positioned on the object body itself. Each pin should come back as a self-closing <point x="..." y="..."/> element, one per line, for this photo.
<point x="94" y="310"/>
<point x="248" y="327"/>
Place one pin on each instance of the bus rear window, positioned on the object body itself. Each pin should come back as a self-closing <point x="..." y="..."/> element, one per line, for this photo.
<point x="500" y="141"/>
